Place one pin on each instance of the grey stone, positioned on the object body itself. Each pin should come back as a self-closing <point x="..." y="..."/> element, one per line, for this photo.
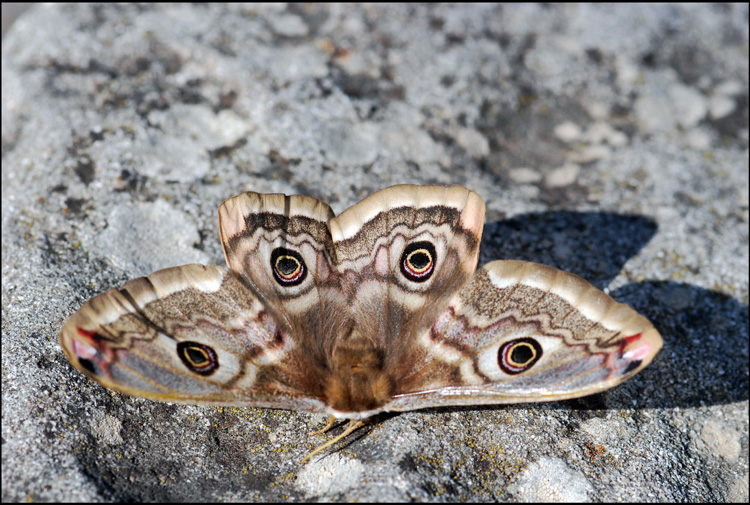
<point x="125" y="126"/>
<point x="551" y="480"/>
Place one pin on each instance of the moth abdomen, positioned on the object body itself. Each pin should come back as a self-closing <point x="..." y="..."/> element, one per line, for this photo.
<point x="358" y="380"/>
<point x="362" y="389"/>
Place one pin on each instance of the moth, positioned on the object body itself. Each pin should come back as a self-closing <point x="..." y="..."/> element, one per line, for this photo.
<point x="378" y="309"/>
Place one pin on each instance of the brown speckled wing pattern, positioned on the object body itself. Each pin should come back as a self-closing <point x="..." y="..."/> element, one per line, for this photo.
<point x="381" y="308"/>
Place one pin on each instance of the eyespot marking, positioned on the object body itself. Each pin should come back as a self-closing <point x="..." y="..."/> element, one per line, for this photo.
<point x="288" y="267"/>
<point x="518" y="355"/>
<point x="198" y="358"/>
<point x="418" y="261"/>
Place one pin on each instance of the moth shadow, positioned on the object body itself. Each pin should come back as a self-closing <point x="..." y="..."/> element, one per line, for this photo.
<point x="704" y="360"/>
<point x="594" y="245"/>
<point x="358" y="434"/>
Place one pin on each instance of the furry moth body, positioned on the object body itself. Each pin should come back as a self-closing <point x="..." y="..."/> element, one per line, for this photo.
<point x="378" y="309"/>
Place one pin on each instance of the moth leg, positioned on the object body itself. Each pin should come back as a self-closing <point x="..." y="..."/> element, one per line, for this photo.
<point x="353" y="425"/>
<point x="331" y="421"/>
